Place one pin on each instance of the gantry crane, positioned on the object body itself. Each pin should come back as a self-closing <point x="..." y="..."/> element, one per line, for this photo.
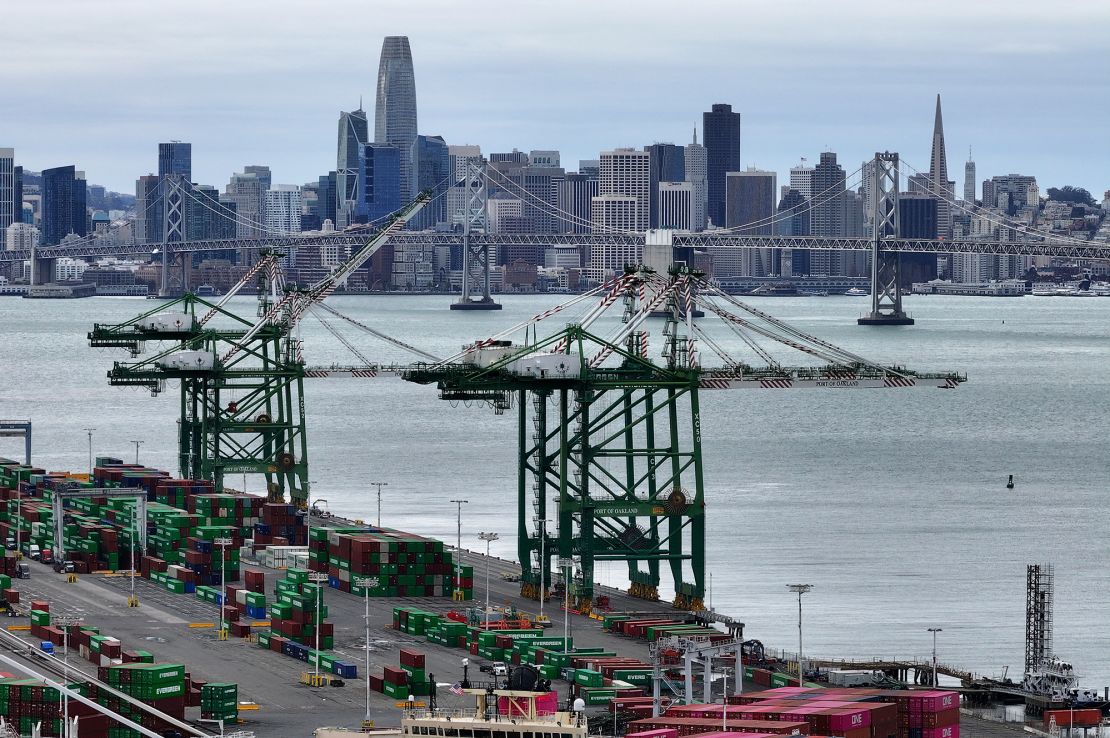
<point x="242" y="400"/>
<point x="615" y="437"/>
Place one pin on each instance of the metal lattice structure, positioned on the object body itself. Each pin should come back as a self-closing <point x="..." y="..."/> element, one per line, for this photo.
<point x="1039" y="591"/>
<point x="475" y="252"/>
<point x="886" y="265"/>
<point x="173" y="231"/>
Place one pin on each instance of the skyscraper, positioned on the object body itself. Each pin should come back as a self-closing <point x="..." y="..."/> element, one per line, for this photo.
<point x="10" y="210"/>
<point x="750" y="205"/>
<point x="939" y="186"/>
<point x="282" y="208"/>
<point x="696" y="173"/>
<point x="395" y="105"/>
<point x="352" y="135"/>
<point x="431" y="170"/>
<point x="245" y="189"/>
<point x="625" y="173"/>
<point x="379" y="182"/>
<point x="969" y="179"/>
<point x="827" y="213"/>
<point x="63" y="204"/>
<point x="175" y="158"/>
<point x="668" y="164"/>
<point x="573" y="197"/>
<point x="801" y="179"/>
<point x="676" y="205"/>
<point x="721" y="130"/>
<point x="147" y="215"/>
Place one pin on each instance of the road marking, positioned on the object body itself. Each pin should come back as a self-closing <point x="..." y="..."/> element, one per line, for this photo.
<point x="202" y="625"/>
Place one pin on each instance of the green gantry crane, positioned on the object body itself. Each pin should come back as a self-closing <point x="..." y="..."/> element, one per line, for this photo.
<point x="242" y="395"/>
<point x="612" y="439"/>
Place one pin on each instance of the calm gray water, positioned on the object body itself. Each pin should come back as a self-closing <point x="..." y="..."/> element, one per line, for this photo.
<point x="891" y="502"/>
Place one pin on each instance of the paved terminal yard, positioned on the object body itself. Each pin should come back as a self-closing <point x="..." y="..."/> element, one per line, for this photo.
<point x="162" y="625"/>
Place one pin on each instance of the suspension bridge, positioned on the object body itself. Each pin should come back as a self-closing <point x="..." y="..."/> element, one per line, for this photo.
<point x="479" y="247"/>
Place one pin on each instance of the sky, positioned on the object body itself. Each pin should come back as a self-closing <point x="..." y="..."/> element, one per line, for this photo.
<point x="1025" y="85"/>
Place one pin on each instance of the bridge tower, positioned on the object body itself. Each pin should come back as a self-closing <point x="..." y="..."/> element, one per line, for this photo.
<point x="1039" y="588"/>
<point x="476" y="257"/>
<point x="173" y="231"/>
<point x="886" y="266"/>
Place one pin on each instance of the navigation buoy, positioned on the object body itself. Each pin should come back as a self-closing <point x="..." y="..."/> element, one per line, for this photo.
<point x="1010" y="482"/>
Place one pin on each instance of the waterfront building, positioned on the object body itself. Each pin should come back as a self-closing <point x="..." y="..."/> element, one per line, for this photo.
<point x="431" y="171"/>
<point x="379" y="182"/>
<point x="695" y="162"/>
<point x="282" y="208"/>
<point x="721" y="130"/>
<point x="175" y="159"/>
<point x="395" y="106"/>
<point x="562" y="256"/>
<point x="11" y="209"/>
<point x="574" y="193"/>
<point x="63" y="204"/>
<point x="676" y="206"/>
<point x="624" y="173"/>
<point x="20" y="237"/>
<point x="667" y="163"/>
<point x="352" y="136"/>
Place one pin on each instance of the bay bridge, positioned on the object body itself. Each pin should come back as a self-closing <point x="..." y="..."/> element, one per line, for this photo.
<point x="885" y="245"/>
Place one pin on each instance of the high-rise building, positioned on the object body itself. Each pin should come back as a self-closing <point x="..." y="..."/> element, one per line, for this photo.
<point x="543" y="158"/>
<point x="938" y="183"/>
<point x="147" y="214"/>
<point x="696" y="162"/>
<point x="63" y="204"/>
<point x="721" y="130"/>
<point x="505" y="213"/>
<point x="205" y="216"/>
<point x="1011" y="192"/>
<point x="917" y="218"/>
<point x="792" y="219"/>
<point x="282" y="208"/>
<point x="827" y="213"/>
<point x="175" y="159"/>
<point x="624" y="173"/>
<point x="431" y="171"/>
<point x="245" y="192"/>
<point x="589" y="167"/>
<point x="8" y="204"/>
<point x="676" y="205"/>
<point x="750" y="207"/>
<point x="801" y="179"/>
<point x="18" y="215"/>
<point x="573" y="199"/>
<point x="519" y="158"/>
<point x="395" y="106"/>
<point x="327" y="194"/>
<point x="969" y="180"/>
<point x="20" y="237"/>
<point x="668" y="164"/>
<point x="379" y="182"/>
<point x="352" y="136"/>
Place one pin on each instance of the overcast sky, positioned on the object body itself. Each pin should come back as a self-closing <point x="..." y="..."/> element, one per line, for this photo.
<point x="99" y="83"/>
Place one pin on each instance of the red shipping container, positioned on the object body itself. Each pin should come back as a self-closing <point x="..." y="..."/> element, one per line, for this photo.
<point x="948" y="731"/>
<point x="1079" y="718"/>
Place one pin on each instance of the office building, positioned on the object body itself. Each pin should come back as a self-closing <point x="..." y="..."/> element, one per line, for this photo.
<point x="676" y="206"/>
<point x="792" y="219"/>
<point x="20" y="237"/>
<point x="827" y="213"/>
<point x="518" y="158"/>
<point x="11" y="209"/>
<point x="540" y="192"/>
<point x="696" y="163"/>
<point x="431" y="172"/>
<point x="721" y="131"/>
<point x="917" y="218"/>
<point x="205" y="216"/>
<point x="939" y="185"/>
<point x="668" y="164"/>
<point x="505" y="213"/>
<point x="379" y="182"/>
<point x="352" y="136"/>
<point x="624" y="174"/>
<point x="801" y="179"/>
<point x="148" y="228"/>
<point x="63" y="204"/>
<point x="395" y="106"/>
<point x="1011" y="193"/>
<point x="573" y="197"/>
<point x="282" y="208"/>
<point x="589" y="167"/>
<point x="969" y="180"/>
<point x="245" y="192"/>
<point x="749" y="209"/>
<point x="543" y="158"/>
<point x="175" y="159"/>
<point x="327" y="193"/>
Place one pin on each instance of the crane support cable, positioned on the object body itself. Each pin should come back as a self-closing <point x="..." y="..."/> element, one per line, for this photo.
<point x="269" y="263"/>
<point x="335" y="332"/>
<point x="389" y="339"/>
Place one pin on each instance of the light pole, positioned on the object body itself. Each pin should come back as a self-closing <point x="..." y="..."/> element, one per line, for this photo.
<point x="64" y="622"/>
<point x="90" y="432"/>
<point x="367" y="583"/>
<point x="565" y="563"/>
<point x="132" y="601"/>
<point x="137" y="444"/>
<point x="488" y="538"/>
<point x="934" y="631"/>
<point x="223" y="543"/>
<point x="458" y="594"/>
<point x="319" y="577"/>
<point x="379" y="485"/>
<point x="542" y="523"/>
<point x="308" y="526"/>
<point x="801" y="589"/>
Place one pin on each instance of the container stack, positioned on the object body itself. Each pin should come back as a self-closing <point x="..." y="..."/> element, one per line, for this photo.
<point x="242" y="512"/>
<point x="203" y="556"/>
<point x="219" y="701"/>
<point x="7" y="592"/>
<point x="27" y="702"/>
<point x="162" y="686"/>
<point x="281" y="525"/>
<point x="299" y="611"/>
<point x="412" y="663"/>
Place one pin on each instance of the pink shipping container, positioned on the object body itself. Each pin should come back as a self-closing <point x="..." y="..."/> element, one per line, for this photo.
<point x="948" y="731"/>
<point x="849" y="719"/>
<point x="661" y="733"/>
<point x="934" y="701"/>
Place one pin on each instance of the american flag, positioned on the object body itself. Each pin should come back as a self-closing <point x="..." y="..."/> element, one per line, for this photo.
<point x="456" y="689"/>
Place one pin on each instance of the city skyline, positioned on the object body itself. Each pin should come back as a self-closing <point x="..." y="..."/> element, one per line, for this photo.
<point x="464" y="78"/>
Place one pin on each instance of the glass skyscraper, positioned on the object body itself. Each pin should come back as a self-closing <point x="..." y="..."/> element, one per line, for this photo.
<point x="352" y="136"/>
<point x="379" y="182"/>
<point x="721" y="131"/>
<point x="395" y="106"/>
<point x="175" y="158"/>
<point x="431" y="170"/>
<point x="63" y="204"/>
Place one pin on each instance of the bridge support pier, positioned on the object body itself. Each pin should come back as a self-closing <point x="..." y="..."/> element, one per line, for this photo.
<point x="886" y="266"/>
<point x="476" y="257"/>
